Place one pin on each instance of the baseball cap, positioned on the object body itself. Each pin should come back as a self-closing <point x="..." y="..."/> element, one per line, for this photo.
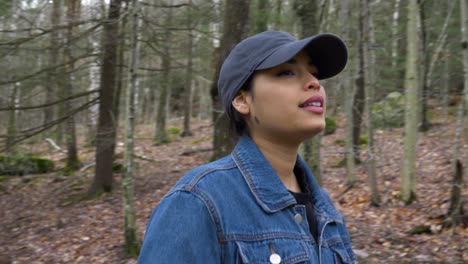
<point x="272" y="48"/>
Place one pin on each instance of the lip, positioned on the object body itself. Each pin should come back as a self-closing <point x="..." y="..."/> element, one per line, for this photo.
<point x="314" y="109"/>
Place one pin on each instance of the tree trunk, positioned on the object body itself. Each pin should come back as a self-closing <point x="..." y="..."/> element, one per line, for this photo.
<point x="365" y="62"/>
<point x="306" y="11"/>
<point x="278" y="9"/>
<point x="11" y="128"/>
<point x="261" y="18"/>
<point x="457" y="167"/>
<point x="131" y="241"/>
<point x="430" y="65"/>
<point x="161" y="135"/>
<point x="458" y="206"/>
<point x="396" y="15"/>
<point x="52" y="75"/>
<point x="120" y="82"/>
<point x="188" y="76"/>
<point x="408" y="181"/>
<point x="106" y="131"/>
<point x="93" y="85"/>
<point x="234" y="31"/>
<point x="349" y="95"/>
<point x="446" y="86"/>
<point x="73" y="162"/>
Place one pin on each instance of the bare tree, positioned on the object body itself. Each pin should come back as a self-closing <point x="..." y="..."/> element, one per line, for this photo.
<point x="188" y="75"/>
<point x="365" y="62"/>
<point x="349" y="91"/>
<point x="52" y="75"/>
<point x="73" y="162"/>
<point x="106" y="132"/>
<point x="408" y="176"/>
<point x="234" y="31"/>
<point x="306" y="10"/>
<point x="131" y="241"/>
<point x="261" y="16"/>
<point x="160" y="135"/>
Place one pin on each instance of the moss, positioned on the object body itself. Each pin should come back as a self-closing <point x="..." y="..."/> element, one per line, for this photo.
<point x="173" y="130"/>
<point x="330" y="125"/>
<point x="117" y="167"/>
<point x="44" y="165"/>
<point x="421" y="229"/>
<point x="24" y="164"/>
<point x="3" y="178"/>
<point x="200" y="140"/>
<point x="340" y="142"/>
<point x="163" y="139"/>
<point x="363" y="140"/>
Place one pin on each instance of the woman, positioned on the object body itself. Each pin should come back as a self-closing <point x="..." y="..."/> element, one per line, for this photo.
<point x="261" y="204"/>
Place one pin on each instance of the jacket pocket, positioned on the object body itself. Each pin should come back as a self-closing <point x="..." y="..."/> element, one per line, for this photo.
<point x="288" y="251"/>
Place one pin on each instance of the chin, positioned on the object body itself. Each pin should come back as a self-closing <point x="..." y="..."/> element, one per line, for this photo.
<point x="312" y="132"/>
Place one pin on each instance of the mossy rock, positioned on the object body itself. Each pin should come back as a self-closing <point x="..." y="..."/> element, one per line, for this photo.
<point x="24" y="164"/>
<point x="390" y="112"/>
<point x="330" y="125"/>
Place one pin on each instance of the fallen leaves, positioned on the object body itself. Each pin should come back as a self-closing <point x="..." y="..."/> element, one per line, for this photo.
<point x="49" y="221"/>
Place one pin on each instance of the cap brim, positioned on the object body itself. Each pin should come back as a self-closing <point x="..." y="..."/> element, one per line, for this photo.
<point x="327" y="52"/>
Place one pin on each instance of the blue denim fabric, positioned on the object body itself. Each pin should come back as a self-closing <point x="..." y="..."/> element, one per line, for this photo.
<point x="236" y="210"/>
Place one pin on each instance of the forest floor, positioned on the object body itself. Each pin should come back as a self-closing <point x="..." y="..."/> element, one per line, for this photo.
<point x="47" y="219"/>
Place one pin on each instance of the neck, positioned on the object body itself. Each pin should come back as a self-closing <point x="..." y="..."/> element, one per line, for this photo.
<point x="282" y="157"/>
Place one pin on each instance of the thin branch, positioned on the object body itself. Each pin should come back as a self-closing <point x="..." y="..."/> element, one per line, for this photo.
<point x="26" y="77"/>
<point x="51" y="103"/>
<point x="37" y="130"/>
<point x="164" y="6"/>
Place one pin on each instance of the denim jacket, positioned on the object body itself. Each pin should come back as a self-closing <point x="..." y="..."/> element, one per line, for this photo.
<point x="237" y="210"/>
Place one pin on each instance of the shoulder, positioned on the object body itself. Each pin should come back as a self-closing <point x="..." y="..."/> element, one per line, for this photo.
<point x="207" y="176"/>
<point x="210" y="181"/>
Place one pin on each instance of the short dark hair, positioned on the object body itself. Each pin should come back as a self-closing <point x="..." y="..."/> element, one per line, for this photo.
<point x="237" y="123"/>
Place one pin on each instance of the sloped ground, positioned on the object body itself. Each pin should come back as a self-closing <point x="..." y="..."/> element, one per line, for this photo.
<point x="45" y="219"/>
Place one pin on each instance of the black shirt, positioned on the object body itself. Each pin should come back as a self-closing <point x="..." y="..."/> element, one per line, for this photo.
<point x="304" y="198"/>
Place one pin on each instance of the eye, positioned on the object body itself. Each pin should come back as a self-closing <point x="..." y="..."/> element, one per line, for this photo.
<point x="315" y="74"/>
<point x="285" y="73"/>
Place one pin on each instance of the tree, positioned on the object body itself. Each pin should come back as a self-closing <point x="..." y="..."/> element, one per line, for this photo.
<point x="160" y="135"/>
<point x="349" y="91"/>
<point x="234" y="30"/>
<point x="430" y="62"/>
<point x="261" y="17"/>
<point x="52" y="75"/>
<point x="408" y="181"/>
<point x="456" y="203"/>
<point x="188" y="75"/>
<point x="307" y="14"/>
<point x="365" y="30"/>
<point x="106" y="131"/>
<point x="131" y="241"/>
<point x="73" y="163"/>
<point x="395" y="20"/>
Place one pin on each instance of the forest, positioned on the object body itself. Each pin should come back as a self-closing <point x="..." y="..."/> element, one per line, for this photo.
<point x="104" y="105"/>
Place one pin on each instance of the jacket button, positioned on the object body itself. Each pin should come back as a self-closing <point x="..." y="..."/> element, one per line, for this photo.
<point x="298" y="218"/>
<point x="275" y="258"/>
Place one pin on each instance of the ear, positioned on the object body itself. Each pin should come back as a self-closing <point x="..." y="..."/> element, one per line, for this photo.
<point x="242" y="102"/>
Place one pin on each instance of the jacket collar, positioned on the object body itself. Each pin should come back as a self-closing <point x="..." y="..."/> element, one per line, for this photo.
<point x="266" y="186"/>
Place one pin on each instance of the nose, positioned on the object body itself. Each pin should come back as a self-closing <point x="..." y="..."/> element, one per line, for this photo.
<point x="312" y="83"/>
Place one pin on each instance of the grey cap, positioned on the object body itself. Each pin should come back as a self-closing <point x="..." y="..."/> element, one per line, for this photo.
<point x="272" y="48"/>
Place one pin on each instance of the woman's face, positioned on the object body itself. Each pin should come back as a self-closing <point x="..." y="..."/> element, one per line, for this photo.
<point x="286" y="102"/>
